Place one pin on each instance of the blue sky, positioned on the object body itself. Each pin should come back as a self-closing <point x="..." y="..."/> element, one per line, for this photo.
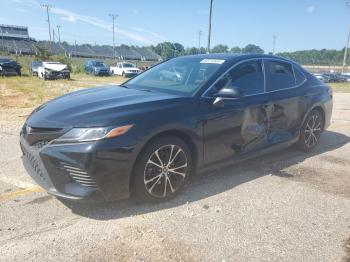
<point x="298" y="24"/>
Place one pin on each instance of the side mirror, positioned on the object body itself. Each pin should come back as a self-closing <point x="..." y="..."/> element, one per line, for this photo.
<point x="228" y="93"/>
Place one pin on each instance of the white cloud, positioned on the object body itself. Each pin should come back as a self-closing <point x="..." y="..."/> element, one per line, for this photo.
<point x="102" y="24"/>
<point x="154" y="34"/>
<point x="311" y="9"/>
<point x="69" y="18"/>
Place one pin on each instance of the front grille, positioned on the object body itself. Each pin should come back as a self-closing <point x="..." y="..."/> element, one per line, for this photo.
<point x="34" y="163"/>
<point x="41" y="144"/>
<point x="79" y="175"/>
<point x="39" y="136"/>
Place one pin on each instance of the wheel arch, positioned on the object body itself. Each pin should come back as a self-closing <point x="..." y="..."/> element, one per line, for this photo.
<point x="320" y="109"/>
<point x="180" y="134"/>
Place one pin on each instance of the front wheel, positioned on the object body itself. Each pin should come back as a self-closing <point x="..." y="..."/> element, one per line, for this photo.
<point x="162" y="170"/>
<point x="311" y="131"/>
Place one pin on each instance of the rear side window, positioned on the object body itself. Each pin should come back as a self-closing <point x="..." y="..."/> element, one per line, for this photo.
<point x="247" y="76"/>
<point x="299" y="76"/>
<point x="279" y="75"/>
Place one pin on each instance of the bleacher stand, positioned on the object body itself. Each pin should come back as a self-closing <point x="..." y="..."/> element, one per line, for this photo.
<point x="16" y="40"/>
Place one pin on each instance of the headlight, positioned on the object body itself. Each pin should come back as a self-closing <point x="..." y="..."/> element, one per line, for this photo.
<point x="92" y="134"/>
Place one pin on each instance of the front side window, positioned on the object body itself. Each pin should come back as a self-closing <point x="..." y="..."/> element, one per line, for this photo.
<point x="128" y="65"/>
<point x="247" y="76"/>
<point x="279" y="76"/>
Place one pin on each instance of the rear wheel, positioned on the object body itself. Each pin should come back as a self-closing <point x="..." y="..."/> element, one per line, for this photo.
<point x="311" y="131"/>
<point x="162" y="170"/>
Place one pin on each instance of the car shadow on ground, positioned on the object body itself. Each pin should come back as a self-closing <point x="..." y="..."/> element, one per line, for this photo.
<point x="213" y="183"/>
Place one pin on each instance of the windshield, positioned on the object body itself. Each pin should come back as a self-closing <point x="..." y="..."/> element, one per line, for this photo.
<point x="36" y="63"/>
<point x="182" y="75"/>
<point x="128" y="65"/>
<point x="100" y="64"/>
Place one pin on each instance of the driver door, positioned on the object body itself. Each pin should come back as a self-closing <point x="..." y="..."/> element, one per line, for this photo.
<point x="236" y="126"/>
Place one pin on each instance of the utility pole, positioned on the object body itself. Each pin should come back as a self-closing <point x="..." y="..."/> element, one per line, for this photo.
<point x="2" y="39"/>
<point x="199" y="40"/>
<point x="274" y="44"/>
<point x="346" y="52"/>
<point x="48" y="8"/>
<point x="59" y="33"/>
<point x="53" y="35"/>
<point x="113" y="18"/>
<point x="209" y="29"/>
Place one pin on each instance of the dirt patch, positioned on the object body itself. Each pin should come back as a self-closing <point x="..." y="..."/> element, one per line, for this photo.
<point x="14" y="101"/>
<point x="336" y="160"/>
<point x="332" y="181"/>
<point x="142" y="246"/>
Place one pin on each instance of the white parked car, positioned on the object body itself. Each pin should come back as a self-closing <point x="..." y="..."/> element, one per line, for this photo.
<point x="124" y="69"/>
<point x="53" y="70"/>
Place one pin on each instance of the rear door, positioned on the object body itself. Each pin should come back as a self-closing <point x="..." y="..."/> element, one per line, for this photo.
<point x="238" y="125"/>
<point x="285" y="83"/>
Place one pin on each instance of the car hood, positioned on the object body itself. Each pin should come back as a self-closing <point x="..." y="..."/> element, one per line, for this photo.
<point x="93" y="107"/>
<point x="55" y="67"/>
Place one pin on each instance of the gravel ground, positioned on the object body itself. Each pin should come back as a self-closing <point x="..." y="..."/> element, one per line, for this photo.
<point x="287" y="206"/>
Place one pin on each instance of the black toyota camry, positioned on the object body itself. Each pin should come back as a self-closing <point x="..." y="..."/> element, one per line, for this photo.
<point x="149" y="135"/>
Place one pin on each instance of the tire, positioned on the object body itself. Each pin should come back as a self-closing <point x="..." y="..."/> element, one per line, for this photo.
<point x="311" y="131"/>
<point x="155" y="182"/>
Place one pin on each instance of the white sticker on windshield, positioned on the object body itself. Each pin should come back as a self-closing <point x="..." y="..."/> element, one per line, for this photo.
<point x="212" y="61"/>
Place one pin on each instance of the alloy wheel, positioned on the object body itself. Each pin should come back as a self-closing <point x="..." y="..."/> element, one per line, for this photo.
<point x="312" y="130"/>
<point x="165" y="171"/>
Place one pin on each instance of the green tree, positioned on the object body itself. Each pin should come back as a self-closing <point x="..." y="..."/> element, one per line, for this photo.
<point x="192" y="51"/>
<point x="220" y="49"/>
<point x="252" y="49"/>
<point x="236" y="49"/>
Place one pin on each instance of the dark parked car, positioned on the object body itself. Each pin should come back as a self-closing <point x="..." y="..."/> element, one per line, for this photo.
<point x="149" y="135"/>
<point x="34" y="67"/>
<point x="9" y="67"/>
<point x="334" y="78"/>
<point x="97" y="68"/>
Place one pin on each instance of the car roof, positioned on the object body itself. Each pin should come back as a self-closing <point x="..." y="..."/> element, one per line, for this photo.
<point x="234" y="57"/>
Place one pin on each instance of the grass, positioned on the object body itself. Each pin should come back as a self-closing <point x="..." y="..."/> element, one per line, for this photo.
<point x="341" y="87"/>
<point x="27" y="91"/>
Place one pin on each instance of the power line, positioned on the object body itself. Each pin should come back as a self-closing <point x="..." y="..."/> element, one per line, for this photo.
<point x="113" y="18"/>
<point x="48" y="8"/>
<point x="209" y="29"/>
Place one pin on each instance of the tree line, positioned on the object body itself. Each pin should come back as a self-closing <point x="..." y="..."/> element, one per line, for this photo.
<point x="169" y="50"/>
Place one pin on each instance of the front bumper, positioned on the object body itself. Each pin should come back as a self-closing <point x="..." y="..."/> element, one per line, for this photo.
<point x="129" y="74"/>
<point x="57" y="74"/>
<point x="101" y="73"/>
<point x="93" y="171"/>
